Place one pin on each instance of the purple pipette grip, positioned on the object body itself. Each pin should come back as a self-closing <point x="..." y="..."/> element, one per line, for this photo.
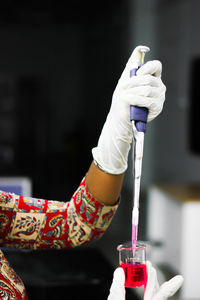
<point x="138" y="114"/>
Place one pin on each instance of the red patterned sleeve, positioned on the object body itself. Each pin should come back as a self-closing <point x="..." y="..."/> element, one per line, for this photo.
<point x="11" y="286"/>
<point x="38" y="224"/>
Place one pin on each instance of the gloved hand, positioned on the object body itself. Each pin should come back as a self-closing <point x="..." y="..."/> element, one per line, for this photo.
<point x="146" y="90"/>
<point x="153" y="290"/>
<point x="167" y="289"/>
<point x="117" y="289"/>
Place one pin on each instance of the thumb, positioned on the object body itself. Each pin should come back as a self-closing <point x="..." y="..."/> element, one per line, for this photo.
<point x="117" y="289"/>
<point x="169" y="288"/>
<point x="136" y="56"/>
<point x="133" y="62"/>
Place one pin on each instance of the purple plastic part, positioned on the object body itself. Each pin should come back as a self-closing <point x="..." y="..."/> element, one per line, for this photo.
<point x="133" y="72"/>
<point x="138" y="114"/>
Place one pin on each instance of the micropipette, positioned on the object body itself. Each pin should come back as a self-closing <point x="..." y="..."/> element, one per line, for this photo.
<point x="138" y="116"/>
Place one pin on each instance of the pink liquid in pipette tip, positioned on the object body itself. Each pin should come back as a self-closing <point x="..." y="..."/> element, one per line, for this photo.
<point x="134" y="236"/>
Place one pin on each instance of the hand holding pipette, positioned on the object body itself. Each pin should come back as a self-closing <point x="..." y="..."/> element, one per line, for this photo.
<point x="146" y="90"/>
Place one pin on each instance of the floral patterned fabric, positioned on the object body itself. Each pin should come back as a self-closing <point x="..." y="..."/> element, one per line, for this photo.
<point x="31" y="223"/>
<point x="11" y="286"/>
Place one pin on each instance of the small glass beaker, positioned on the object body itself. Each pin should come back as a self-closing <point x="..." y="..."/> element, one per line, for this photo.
<point x="133" y="262"/>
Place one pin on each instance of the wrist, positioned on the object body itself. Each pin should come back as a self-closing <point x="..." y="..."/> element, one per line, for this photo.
<point x="111" y="153"/>
<point x="106" y="188"/>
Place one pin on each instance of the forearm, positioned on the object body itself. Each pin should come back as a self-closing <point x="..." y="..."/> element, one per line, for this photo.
<point x="38" y="224"/>
<point x="106" y="188"/>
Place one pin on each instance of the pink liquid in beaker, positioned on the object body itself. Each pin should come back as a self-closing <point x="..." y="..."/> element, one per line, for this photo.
<point x="135" y="274"/>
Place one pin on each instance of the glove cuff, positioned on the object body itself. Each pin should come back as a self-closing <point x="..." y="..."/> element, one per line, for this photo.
<point x="111" y="153"/>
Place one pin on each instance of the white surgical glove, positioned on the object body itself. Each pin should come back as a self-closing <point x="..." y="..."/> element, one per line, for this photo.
<point x="167" y="289"/>
<point x="145" y="90"/>
<point x="117" y="289"/>
<point x="153" y="290"/>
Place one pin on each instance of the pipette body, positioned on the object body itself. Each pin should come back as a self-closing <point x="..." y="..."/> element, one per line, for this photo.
<point x="138" y="116"/>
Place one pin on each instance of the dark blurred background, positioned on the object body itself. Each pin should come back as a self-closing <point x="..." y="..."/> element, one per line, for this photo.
<point x="58" y="68"/>
<point x="59" y="65"/>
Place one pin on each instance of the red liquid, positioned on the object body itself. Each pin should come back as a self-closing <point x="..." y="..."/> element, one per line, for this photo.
<point x="135" y="275"/>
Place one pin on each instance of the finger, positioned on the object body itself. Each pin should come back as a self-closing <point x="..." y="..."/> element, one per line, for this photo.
<point x="153" y="67"/>
<point x="149" y="266"/>
<point x="136" y="57"/>
<point x="169" y="288"/>
<point x="153" y="114"/>
<point x="146" y="91"/>
<point x="152" y="103"/>
<point x="152" y="282"/>
<point x="141" y="81"/>
<point x="117" y="289"/>
<point x="119" y="276"/>
<point x="133" y="62"/>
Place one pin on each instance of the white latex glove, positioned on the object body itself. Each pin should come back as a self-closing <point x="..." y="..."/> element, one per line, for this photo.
<point x="167" y="289"/>
<point x="117" y="289"/>
<point x="146" y="90"/>
<point x="153" y="290"/>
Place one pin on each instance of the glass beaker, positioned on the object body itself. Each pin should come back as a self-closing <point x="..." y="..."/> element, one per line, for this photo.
<point x="133" y="262"/>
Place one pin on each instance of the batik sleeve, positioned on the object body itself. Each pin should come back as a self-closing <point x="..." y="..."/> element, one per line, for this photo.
<point x="38" y="224"/>
<point x="11" y="286"/>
